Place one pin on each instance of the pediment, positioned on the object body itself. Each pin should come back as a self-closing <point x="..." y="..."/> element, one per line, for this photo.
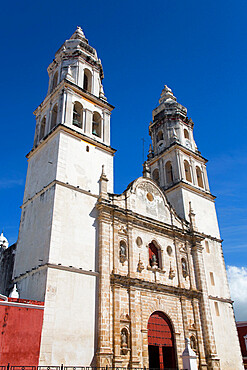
<point x="146" y="198"/>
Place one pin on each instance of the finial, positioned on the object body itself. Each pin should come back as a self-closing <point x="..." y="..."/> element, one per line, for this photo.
<point x="103" y="183"/>
<point x="167" y="95"/>
<point x="150" y="152"/>
<point x="14" y="292"/>
<point x="146" y="170"/>
<point x="192" y="218"/>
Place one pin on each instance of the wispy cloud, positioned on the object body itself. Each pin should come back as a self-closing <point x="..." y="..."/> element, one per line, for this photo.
<point x="10" y="183"/>
<point x="237" y="277"/>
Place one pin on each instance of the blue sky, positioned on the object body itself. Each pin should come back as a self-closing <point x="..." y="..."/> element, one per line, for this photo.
<point x="198" y="49"/>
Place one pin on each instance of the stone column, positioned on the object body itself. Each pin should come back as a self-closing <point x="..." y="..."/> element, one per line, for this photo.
<point x="88" y="122"/>
<point x="117" y="359"/>
<point x="199" y="337"/>
<point x="104" y="351"/>
<point x="134" y="360"/>
<point x="68" y="108"/>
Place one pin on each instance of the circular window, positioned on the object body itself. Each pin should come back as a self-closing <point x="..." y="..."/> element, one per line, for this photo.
<point x="150" y="197"/>
<point x="169" y="250"/>
<point x="139" y="241"/>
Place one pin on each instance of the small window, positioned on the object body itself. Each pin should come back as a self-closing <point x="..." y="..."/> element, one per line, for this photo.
<point x="199" y="177"/>
<point x="184" y="268"/>
<point x="169" y="250"/>
<point x="87" y="80"/>
<point x="87" y="148"/>
<point x="160" y="136"/>
<point x="96" y="127"/>
<point x="156" y="176"/>
<point x="42" y="128"/>
<point x="154" y="260"/>
<point x="212" y="278"/>
<point x="186" y="134"/>
<point x="207" y="246"/>
<point x="55" y="80"/>
<point x="54" y="116"/>
<point x="187" y="171"/>
<point x="216" y="306"/>
<point x="77" y="114"/>
<point x="169" y="172"/>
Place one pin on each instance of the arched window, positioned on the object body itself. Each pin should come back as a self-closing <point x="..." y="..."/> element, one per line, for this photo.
<point x="77" y="114"/>
<point x="186" y="134"/>
<point x="184" y="268"/>
<point x="42" y="128"/>
<point x="156" y="176"/>
<point x="96" y="126"/>
<point x="54" y="116"/>
<point x="87" y="81"/>
<point x="187" y="171"/>
<point x="169" y="173"/>
<point x="199" y="177"/>
<point x="160" y="136"/>
<point x="154" y="256"/>
<point x="55" y="80"/>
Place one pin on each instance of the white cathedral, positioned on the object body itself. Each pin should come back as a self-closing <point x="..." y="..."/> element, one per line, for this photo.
<point x="125" y="278"/>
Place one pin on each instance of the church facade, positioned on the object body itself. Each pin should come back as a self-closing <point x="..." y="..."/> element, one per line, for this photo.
<point x="125" y="278"/>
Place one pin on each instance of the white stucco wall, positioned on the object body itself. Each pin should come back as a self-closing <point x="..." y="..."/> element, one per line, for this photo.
<point x="68" y="334"/>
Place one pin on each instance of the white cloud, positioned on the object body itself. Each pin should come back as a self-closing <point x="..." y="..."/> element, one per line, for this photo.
<point x="237" y="277"/>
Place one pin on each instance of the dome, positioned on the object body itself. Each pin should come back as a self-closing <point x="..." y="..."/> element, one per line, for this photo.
<point x="3" y="241"/>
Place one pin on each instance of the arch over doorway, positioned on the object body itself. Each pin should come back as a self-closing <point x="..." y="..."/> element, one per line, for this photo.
<point x="161" y="346"/>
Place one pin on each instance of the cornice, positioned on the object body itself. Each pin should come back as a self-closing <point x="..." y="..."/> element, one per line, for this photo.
<point x="61" y="183"/>
<point x="220" y="299"/>
<point x="179" y="146"/>
<point x="83" y="93"/>
<point x="54" y="266"/>
<point x="105" y="208"/>
<point x="59" y="128"/>
<point x="185" y="185"/>
<point x="127" y="282"/>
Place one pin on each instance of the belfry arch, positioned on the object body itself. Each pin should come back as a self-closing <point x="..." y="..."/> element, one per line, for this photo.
<point x="161" y="344"/>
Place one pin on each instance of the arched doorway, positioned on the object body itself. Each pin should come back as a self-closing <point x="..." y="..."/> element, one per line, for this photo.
<point x="161" y="348"/>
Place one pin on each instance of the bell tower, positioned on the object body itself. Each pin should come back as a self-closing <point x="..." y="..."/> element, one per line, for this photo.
<point x="177" y="165"/>
<point x="179" y="168"/>
<point x="57" y="248"/>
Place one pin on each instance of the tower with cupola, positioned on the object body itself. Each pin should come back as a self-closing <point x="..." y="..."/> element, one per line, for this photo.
<point x="57" y="251"/>
<point x="179" y="168"/>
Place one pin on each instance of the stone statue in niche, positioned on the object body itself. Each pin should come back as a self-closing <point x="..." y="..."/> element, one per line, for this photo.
<point x="123" y="251"/>
<point x="154" y="261"/>
<point x="124" y="341"/>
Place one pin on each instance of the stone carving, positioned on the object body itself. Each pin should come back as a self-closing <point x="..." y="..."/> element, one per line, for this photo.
<point x="149" y="188"/>
<point x="140" y="265"/>
<point x="171" y="272"/>
<point x="123" y="251"/>
<point x="154" y="261"/>
<point x="124" y="341"/>
<point x="122" y="229"/>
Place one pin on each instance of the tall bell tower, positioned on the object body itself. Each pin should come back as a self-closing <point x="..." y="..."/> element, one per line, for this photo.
<point x="57" y="248"/>
<point x="179" y="168"/>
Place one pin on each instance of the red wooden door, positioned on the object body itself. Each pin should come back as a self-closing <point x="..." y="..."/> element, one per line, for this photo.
<point x="160" y="342"/>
